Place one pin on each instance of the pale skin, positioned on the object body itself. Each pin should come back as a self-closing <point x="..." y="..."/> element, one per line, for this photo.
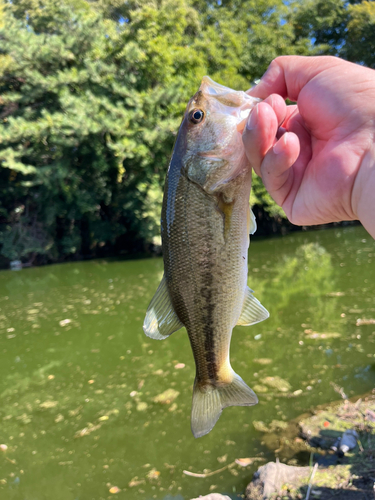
<point x="316" y="158"/>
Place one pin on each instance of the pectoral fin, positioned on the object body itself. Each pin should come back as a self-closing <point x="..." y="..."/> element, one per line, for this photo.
<point x="252" y="310"/>
<point x="161" y="320"/>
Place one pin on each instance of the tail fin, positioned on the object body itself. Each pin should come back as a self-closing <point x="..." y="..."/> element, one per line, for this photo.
<point x="209" y="402"/>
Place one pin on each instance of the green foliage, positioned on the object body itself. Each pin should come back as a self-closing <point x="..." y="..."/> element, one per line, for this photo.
<point x="92" y="93"/>
<point x="82" y="123"/>
<point x="361" y="33"/>
<point x="260" y="197"/>
<point x="337" y="27"/>
<point x="26" y="238"/>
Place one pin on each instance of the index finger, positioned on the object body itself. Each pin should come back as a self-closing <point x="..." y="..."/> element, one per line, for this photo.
<point x="287" y="75"/>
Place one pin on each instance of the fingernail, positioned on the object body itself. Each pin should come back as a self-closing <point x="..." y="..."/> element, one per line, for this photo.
<point x="279" y="147"/>
<point x="253" y="119"/>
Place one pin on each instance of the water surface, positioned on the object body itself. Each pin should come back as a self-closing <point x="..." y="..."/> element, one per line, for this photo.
<point x="78" y="378"/>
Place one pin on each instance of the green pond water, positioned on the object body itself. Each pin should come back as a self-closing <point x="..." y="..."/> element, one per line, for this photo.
<point x="78" y="378"/>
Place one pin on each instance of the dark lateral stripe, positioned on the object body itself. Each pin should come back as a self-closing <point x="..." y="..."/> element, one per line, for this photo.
<point x="209" y="324"/>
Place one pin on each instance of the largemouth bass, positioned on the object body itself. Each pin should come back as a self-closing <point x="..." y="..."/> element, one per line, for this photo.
<point x="205" y="226"/>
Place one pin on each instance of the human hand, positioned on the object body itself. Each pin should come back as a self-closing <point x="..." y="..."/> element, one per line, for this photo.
<point x="316" y="158"/>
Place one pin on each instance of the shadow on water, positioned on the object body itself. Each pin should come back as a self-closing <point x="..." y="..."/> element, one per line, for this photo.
<point x="79" y="380"/>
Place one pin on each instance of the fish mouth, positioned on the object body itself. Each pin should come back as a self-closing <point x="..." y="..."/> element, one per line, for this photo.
<point x="210" y="156"/>
<point x="208" y="86"/>
<point x="226" y="95"/>
<point x="231" y="98"/>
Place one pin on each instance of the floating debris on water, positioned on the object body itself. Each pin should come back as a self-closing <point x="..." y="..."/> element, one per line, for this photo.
<point x="364" y="321"/>
<point x="65" y="322"/>
<point x="260" y="388"/>
<point x="136" y="482"/>
<point x="316" y="335"/>
<point x="245" y="462"/>
<point x="277" y="383"/>
<point x="153" y="474"/>
<point x="263" y="361"/>
<point x="275" y="425"/>
<point x="167" y="396"/>
<point x="48" y="404"/>
<point x="114" y="490"/>
<point x="87" y="430"/>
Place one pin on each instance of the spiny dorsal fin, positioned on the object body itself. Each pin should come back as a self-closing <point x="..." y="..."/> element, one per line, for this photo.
<point x="161" y="320"/>
<point x="252" y="310"/>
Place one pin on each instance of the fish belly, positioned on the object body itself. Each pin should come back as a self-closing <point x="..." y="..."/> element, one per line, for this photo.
<point x="205" y="260"/>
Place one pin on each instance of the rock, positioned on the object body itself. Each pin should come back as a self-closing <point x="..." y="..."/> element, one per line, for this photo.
<point x="329" y="427"/>
<point x="213" y="496"/>
<point x="270" y="479"/>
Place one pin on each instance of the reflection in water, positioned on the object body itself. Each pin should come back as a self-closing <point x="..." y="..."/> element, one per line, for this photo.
<point x="79" y="380"/>
<point x="306" y="276"/>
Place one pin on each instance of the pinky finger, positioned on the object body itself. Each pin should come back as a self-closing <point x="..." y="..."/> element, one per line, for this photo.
<point x="276" y="169"/>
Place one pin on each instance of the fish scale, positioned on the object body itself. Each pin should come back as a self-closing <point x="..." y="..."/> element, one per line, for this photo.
<point x="205" y="234"/>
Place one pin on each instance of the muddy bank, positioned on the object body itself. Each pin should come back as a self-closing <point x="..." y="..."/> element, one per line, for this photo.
<point x="331" y="473"/>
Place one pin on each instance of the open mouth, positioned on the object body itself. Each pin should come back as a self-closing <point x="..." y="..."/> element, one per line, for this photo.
<point x="238" y="102"/>
<point x="210" y="156"/>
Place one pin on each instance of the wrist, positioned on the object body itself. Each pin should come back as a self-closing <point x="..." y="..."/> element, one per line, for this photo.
<point x="363" y="194"/>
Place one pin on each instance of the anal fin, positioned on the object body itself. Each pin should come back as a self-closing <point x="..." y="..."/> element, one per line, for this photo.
<point x="252" y="310"/>
<point x="161" y="320"/>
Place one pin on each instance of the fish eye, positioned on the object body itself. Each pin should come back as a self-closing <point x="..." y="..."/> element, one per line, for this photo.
<point x="196" y="116"/>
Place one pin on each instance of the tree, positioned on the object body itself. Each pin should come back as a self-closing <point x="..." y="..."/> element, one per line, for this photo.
<point x="340" y="28"/>
<point x="92" y="95"/>
<point x="82" y="125"/>
<point x="360" y="43"/>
